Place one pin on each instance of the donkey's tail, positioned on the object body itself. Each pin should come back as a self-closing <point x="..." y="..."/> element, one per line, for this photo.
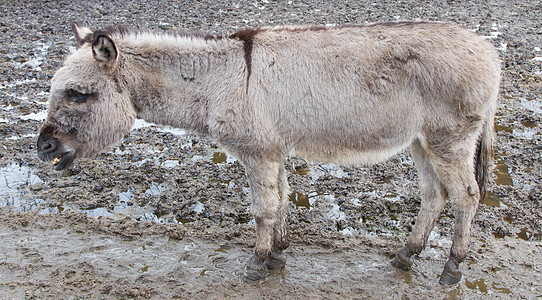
<point x="484" y="152"/>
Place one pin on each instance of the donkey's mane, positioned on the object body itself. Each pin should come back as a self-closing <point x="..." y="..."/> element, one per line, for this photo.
<point x="122" y="30"/>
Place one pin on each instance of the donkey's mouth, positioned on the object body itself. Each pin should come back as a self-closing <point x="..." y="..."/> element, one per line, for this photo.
<point x="63" y="161"/>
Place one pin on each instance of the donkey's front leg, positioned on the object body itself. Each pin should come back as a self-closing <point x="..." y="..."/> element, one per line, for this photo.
<point x="276" y="260"/>
<point x="263" y="177"/>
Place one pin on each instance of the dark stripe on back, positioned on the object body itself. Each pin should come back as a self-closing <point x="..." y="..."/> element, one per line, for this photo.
<point x="247" y="37"/>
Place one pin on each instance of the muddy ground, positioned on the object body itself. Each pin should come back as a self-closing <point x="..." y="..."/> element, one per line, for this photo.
<point x="166" y="214"/>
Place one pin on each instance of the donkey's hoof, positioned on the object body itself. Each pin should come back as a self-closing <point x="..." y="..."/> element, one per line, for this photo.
<point x="449" y="279"/>
<point x="255" y="269"/>
<point x="275" y="262"/>
<point x="451" y="274"/>
<point x="402" y="261"/>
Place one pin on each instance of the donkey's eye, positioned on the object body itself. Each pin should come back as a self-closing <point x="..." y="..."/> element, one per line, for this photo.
<point x="77" y="97"/>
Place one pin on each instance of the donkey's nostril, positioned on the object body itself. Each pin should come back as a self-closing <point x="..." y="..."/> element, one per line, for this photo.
<point x="47" y="146"/>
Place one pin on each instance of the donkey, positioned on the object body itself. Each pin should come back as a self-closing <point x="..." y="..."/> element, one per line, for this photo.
<point x="336" y="94"/>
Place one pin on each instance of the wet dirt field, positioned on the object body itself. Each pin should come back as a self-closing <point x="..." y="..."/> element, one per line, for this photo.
<point x="166" y="214"/>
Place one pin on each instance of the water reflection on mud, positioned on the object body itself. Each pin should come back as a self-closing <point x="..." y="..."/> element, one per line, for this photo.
<point x="300" y="199"/>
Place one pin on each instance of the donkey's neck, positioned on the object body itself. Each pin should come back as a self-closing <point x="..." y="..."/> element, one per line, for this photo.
<point x="174" y="80"/>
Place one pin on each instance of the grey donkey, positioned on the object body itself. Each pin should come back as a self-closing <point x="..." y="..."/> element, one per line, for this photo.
<point x="335" y="94"/>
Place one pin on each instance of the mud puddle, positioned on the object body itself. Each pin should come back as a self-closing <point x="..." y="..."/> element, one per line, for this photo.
<point x="99" y="265"/>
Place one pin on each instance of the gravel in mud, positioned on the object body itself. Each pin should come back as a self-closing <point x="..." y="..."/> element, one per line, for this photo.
<point x="165" y="214"/>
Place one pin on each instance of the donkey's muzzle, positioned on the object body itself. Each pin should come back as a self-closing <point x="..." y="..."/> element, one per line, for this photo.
<point x="50" y="149"/>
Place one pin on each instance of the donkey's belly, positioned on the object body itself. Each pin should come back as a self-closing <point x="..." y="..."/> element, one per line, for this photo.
<point x="340" y="155"/>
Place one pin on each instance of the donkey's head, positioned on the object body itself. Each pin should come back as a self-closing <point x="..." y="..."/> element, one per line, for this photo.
<point x="89" y="108"/>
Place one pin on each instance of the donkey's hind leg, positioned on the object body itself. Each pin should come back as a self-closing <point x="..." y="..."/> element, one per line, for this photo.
<point x="454" y="164"/>
<point x="433" y="195"/>
<point x="280" y="235"/>
<point x="263" y="177"/>
<point x="464" y="195"/>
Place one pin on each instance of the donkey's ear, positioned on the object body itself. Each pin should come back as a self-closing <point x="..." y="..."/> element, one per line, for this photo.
<point x="82" y="34"/>
<point x="104" y="49"/>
